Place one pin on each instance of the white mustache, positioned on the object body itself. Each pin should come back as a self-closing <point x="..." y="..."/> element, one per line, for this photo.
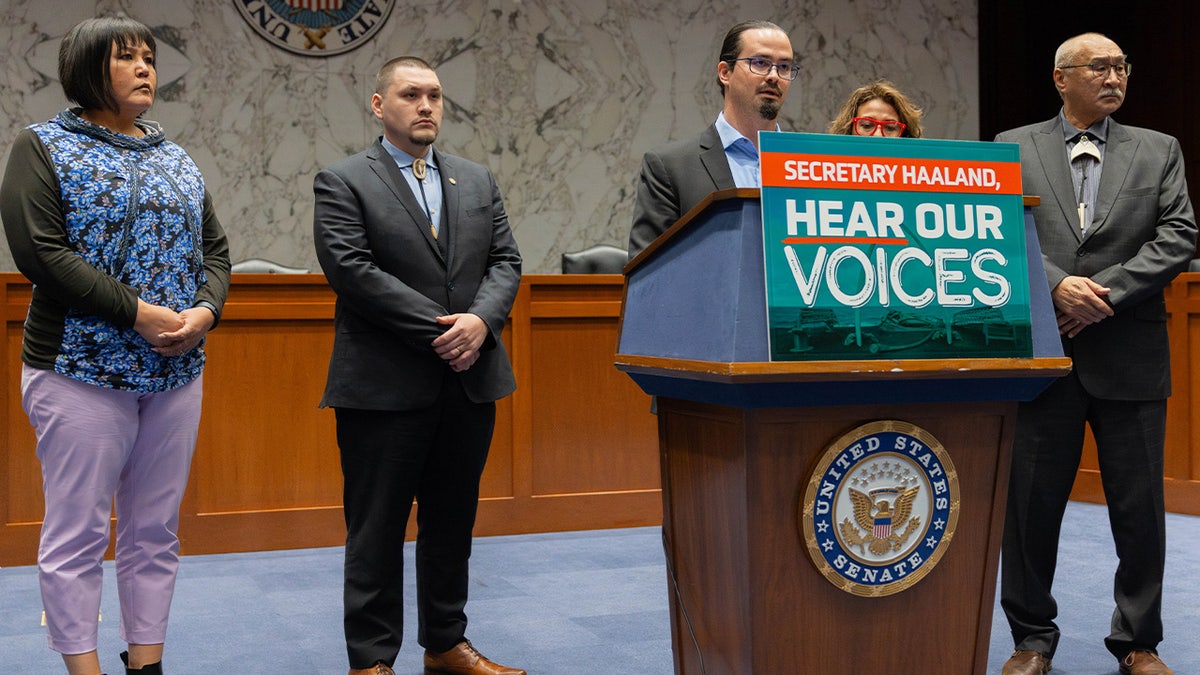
<point x="1113" y="92"/>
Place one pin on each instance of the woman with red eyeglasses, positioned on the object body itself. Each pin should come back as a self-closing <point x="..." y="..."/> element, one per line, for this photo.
<point x="878" y="109"/>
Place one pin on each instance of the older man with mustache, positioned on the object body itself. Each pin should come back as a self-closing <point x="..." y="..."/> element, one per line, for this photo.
<point x="1115" y="226"/>
<point x="755" y="70"/>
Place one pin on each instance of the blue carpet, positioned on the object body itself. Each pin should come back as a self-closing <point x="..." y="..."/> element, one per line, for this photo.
<point x="570" y="603"/>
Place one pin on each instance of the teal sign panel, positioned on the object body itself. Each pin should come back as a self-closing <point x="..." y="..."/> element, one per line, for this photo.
<point x="893" y="248"/>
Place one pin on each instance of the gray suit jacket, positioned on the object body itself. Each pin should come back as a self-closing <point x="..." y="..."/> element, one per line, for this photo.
<point x="374" y="245"/>
<point x="1143" y="235"/>
<point x="675" y="177"/>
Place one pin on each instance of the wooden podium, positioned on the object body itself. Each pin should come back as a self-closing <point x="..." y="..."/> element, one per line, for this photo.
<point x="740" y="437"/>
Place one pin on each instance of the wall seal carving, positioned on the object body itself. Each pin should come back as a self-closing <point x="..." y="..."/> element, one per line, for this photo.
<point x="315" y="27"/>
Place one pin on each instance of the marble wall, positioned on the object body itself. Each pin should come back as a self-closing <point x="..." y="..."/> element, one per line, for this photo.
<point x="559" y="97"/>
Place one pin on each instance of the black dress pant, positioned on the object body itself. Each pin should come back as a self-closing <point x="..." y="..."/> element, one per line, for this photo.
<point x="1046" y="452"/>
<point x="435" y="455"/>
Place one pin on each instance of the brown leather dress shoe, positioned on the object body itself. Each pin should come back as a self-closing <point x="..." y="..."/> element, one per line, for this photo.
<point x="1026" y="662"/>
<point x="1144" y="663"/>
<point x="377" y="669"/>
<point x="463" y="659"/>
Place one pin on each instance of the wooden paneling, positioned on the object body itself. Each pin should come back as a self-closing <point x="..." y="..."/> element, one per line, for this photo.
<point x="568" y="369"/>
<point x="575" y="447"/>
<point x="21" y="482"/>
<point x="262" y="385"/>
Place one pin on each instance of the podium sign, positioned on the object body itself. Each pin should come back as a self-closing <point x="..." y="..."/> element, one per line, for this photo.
<point x="893" y="248"/>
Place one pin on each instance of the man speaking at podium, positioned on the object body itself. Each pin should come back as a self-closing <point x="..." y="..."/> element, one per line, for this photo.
<point x="1115" y="226"/>
<point x="756" y="68"/>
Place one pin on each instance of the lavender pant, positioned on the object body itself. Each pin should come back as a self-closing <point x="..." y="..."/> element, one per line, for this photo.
<point x="95" y="444"/>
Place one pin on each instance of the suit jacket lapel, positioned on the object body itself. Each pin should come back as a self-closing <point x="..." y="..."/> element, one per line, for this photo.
<point x="1119" y="150"/>
<point x="385" y="167"/>
<point x="1052" y="153"/>
<point x="712" y="155"/>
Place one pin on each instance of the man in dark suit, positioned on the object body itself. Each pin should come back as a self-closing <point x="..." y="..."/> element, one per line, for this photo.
<point x="416" y="245"/>
<point x="1116" y="226"/>
<point x="755" y="70"/>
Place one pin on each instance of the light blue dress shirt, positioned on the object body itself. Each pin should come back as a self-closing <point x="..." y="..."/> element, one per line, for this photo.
<point x="431" y="200"/>
<point x="741" y="153"/>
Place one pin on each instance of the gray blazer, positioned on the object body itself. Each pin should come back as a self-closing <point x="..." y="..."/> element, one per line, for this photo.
<point x="374" y="245"/>
<point x="676" y="177"/>
<point x="1143" y="235"/>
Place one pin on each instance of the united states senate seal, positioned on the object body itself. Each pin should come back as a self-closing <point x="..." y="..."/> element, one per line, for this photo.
<point x="880" y="508"/>
<point x="315" y="27"/>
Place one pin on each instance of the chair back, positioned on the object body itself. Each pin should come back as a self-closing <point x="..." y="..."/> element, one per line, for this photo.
<point x="602" y="259"/>
<point x="261" y="266"/>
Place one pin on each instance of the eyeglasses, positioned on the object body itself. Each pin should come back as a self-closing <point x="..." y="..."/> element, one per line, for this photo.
<point x="761" y="66"/>
<point x="1101" y="68"/>
<point x="865" y="126"/>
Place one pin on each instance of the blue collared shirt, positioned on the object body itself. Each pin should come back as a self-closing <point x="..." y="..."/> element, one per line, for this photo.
<point x="431" y="200"/>
<point x="1098" y="132"/>
<point x="741" y="153"/>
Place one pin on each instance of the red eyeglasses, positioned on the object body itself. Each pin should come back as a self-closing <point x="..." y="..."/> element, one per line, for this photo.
<point x="865" y="126"/>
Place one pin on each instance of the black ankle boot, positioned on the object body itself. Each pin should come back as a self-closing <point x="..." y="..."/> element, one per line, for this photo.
<point x="152" y="669"/>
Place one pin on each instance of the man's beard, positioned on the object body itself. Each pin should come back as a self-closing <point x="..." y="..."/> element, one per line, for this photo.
<point x="423" y="136"/>
<point x="769" y="108"/>
<point x="425" y="139"/>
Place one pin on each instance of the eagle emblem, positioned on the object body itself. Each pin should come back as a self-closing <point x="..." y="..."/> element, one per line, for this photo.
<point x="880" y="508"/>
<point x="883" y="519"/>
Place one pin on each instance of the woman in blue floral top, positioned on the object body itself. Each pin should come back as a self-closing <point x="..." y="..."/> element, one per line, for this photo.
<point x="113" y="225"/>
